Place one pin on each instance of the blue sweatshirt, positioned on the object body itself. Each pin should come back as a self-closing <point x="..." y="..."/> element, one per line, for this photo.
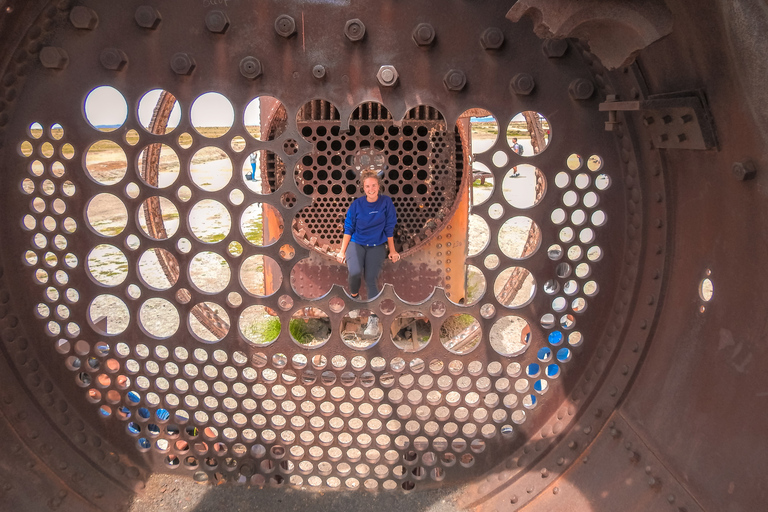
<point x="370" y="223"/>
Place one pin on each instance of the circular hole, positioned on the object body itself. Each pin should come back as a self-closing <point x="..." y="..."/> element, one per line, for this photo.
<point x="361" y="329"/>
<point x="158" y="166"/>
<point x="570" y="198"/>
<point x="524" y="187"/>
<point x="260" y="170"/>
<point x="208" y="322"/>
<point x="519" y="237"/>
<point x="602" y="182"/>
<point x="259" y="325"/>
<point x="105" y="162"/>
<point x="158" y="218"/>
<point x="158" y="269"/>
<point x="558" y="216"/>
<point x="212" y="115"/>
<point x="599" y="218"/>
<point x="515" y="287"/>
<point x="209" y="272"/>
<point x="706" y="289"/>
<point x="210" y="221"/>
<point x="106" y="215"/>
<point x="411" y="331"/>
<point x="582" y="181"/>
<point x="574" y="162"/>
<point x="595" y="163"/>
<point x="108" y="315"/>
<point x="159" y="318"/>
<point x="159" y="112"/>
<point x="261" y="276"/>
<point x="310" y="327"/>
<point x="460" y="333"/>
<point x="479" y="235"/>
<point x="261" y="224"/>
<point x="500" y="159"/>
<point x="482" y="183"/>
<point x="510" y="336"/>
<point x="105" y="109"/>
<point x="259" y="109"/>
<point x="211" y="169"/>
<point x="528" y="133"/>
<point x="107" y="265"/>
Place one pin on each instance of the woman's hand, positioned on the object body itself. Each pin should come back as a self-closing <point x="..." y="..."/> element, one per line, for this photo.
<point x="394" y="256"/>
<point x="341" y="257"/>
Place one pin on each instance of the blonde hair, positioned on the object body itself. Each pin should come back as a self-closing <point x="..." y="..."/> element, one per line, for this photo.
<point x="369" y="173"/>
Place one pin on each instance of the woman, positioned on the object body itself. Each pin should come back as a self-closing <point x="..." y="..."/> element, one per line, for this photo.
<point x="368" y="231"/>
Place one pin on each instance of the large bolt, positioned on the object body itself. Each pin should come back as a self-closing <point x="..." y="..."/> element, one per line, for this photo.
<point x="424" y="34"/>
<point x="217" y="21"/>
<point x="522" y="84"/>
<point x="555" y="48"/>
<point x="250" y="67"/>
<point x="113" y="58"/>
<point x="285" y="25"/>
<point x="492" y="38"/>
<point x="318" y="71"/>
<point x="387" y="76"/>
<point x="744" y="170"/>
<point x="147" y="17"/>
<point x="455" y="80"/>
<point x="53" y="57"/>
<point x="83" y="18"/>
<point x="182" y="63"/>
<point x="581" y="89"/>
<point x="354" y="30"/>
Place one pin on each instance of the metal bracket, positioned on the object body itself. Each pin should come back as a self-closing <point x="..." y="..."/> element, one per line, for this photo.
<point x="680" y="120"/>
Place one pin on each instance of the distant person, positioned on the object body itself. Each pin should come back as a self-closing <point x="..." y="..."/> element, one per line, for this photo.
<point x="517" y="148"/>
<point x="368" y="231"/>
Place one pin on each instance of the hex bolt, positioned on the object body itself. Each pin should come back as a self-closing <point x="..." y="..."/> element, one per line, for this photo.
<point x="581" y="89"/>
<point x="522" y="84"/>
<point x="492" y="38"/>
<point x="555" y="48"/>
<point x="83" y="18"/>
<point x="147" y="17"/>
<point x="544" y="472"/>
<point x="217" y="22"/>
<point x="572" y="445"/>
<point x="318" y="71"/>
<point x="285" y="25"/>
<point x="53" y="57"/>
<point x="182" y="63"/>
<point x="424" y="34"/>
<point x="354" y="30"/>
<point x="387" y="76"/>
<point x="455" y="80"/>
<point x="743" y="171"/>
<point x="250" y="67"/>
<point x="113" y="59"/>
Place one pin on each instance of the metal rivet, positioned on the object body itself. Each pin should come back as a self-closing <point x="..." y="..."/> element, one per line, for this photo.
<point x="250" y="67"/>
<point x="147" y="17"/>
<point x="182" y="63"/>
<point x="113" y="59"/>
<point x="423" y="34"/>
<point x="53" y="57"/>
<point x="285" y="25"/>
<point x="318" y="71"/>
<point x="455" y="80"/>
<point x="522" y="84"/>
<point x="555" y="48"/>
<point x="581" y="89"/>
<point x="354" y="30"/>
<point x="217" y="22"/>
<point x="744" y="170"/>
<point x="492" y="38"/>
<point x="667" y="119"/>
<point x="387" y="75"/>
<point x="83" y="18"/>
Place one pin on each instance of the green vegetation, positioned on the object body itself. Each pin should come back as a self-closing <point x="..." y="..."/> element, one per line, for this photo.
<point x="478" y="183"/>
<point x="213" y="238"/>
<point x="299" y="331"/>
<point x="265" y="331"/>
<point x="254" y="231"/>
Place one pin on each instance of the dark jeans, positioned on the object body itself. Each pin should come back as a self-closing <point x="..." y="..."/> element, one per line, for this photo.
<point x="365" y="262"/>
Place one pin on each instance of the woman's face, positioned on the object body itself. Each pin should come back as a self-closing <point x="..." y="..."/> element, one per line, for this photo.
<point x="371" y="188"/>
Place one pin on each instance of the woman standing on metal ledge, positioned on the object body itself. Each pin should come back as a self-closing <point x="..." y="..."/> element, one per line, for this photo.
<point x="368" y="231"/>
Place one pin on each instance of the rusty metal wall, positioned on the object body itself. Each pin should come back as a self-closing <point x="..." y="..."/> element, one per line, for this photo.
<point x="647" y="399"/>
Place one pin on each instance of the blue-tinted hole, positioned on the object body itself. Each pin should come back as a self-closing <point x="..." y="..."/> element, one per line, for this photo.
<point x="144" y="444"/>
<point x="144" y="413"/>
<point x="153" y="429"/>
<point x="124" y="413"/>
<point x="555" y="337"/>
<point x="544" y="354"/>
<point x="162" y="414"/>
<point x="134" y="397"/>
<point x="172" y="430"/>
<point x="564" y="355"/>
<point x="134" y="428"/>
<point x="533" y="370"/>
<point x="553" y="371"/>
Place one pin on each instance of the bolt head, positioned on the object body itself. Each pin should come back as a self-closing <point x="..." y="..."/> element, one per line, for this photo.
<point x="147" y="17"/>
<point x="53" y="57"/>
<point x="182" y="63"/>
<point x="423" y="34"/>
<point x="83" y="18"/>
<point x="492" y="38"/>
<point x="387" y="76"/>
<point x="250" y="67"/>
<point x="455" y="80"/>
<point x="522" y="84"/>
<point x="744" y="171"/>
<point x="113" y="59"/>
<point x="217" y="22"/>
<point x="354" y="30"/>
<point x="318" y="71"/>
<point x="581" y="89"/>
<point x="555" y="48"/>
<point x="285" y="25"/>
